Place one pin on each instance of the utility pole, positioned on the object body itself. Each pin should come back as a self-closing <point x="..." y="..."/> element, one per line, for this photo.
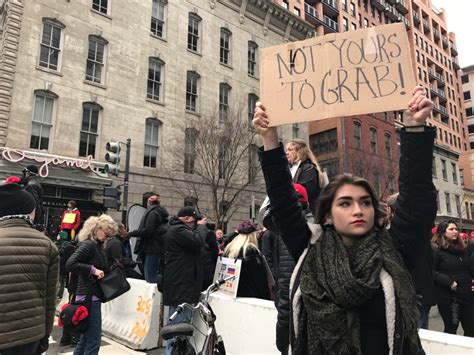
<point x="125" y="181"/>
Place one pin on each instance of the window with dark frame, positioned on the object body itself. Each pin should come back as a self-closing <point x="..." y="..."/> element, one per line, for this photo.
<point x="100" y="5"/>
<point x="467" y="95"/>
<point x="224" y="94"/>
<point x="388" y="145"/>
<point x="152" y="130"/>
<point x="154" y="81"/>
<point x="448" y="202"/>
<point x="190" y="141"/>
<point x="443" y="169"/>
<point x="224" y="159"/>
<point x="455" y="174"/>
<point x="357" y="135"/>
<point x="252" y="101"/>
<point x="373" y="140"/>
<point x="89" y="130"/>
<point x="252" y="58"/>
<point x="324" y="142"/>
<point x="50" y="48"/>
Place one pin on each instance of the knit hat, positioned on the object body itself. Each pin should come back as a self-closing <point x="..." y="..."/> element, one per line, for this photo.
<point x="32" y="169"/>
<point x="301" y="192"/>
<point x="187" y="212"/>
<point x="14" y="200"/>
<point x="463" y="235"/>
<point x="247" y="227"/>
<point x="12" y="180"/>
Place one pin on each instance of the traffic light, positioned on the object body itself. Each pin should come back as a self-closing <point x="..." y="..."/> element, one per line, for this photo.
<point x="112" y="197"/>
<point x="112" y="157"/>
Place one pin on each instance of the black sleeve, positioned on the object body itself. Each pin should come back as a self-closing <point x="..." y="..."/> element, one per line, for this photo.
<point x="189" y="239"/>
<point x="268" y="240"/>
<point x="284" y="206"/>
<point x="440" y="278"/>
<point x="78" y="262"/>
<point x="114" y="249"/>
<point x="415" y="209"/>
<point x="309" y="178"/>
<point x="153" y="220"/>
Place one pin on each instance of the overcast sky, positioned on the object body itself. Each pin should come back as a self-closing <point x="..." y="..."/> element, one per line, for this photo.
<point x="459" y="16"/>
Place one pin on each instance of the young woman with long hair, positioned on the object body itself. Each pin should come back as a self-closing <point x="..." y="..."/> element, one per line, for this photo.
<point x="253" y="274"/>
<point x="308" y="172"/>
<point x="351" y="290"/>
<point x="453" y="274"/>
<point x="89" y="262"/>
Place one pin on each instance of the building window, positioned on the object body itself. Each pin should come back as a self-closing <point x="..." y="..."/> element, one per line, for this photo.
<point x="467" y="95"/>
<point x="437" y="201"/>
<point x="353" y="11"/>
<point x="42" y="120"/>
<point x="100" y="5"/>
<point x="469" y="112"/>
<point x="357" y="135"/>
<point x="324" y="142"/>
<point x="345" y="24"/>
<point x="448" y="202"/>
<point x="472" y="210"/>
<point x="458" y="205"/>
<point x="353" y="26"/>
<point x="388" y="145"/>
<point x="252" y="58"/>
<point x="155" y="80"/>
<point x="296" y="130"/>
<point x="366" y="23"/>
<point x="377" y="183"/>
<point x="465" y="79"/>
<point x="253" y="162"/>
<point x="224" y="159"/>
<point x="285" y="4"/>
<point x="296" y="11"/>
<point x="466" y="206"/>
<point x="373" y="140"/>
<point x="89" y="130"/>
<point x="190" y="141"/>
<point x="50" y="48"/>
<point x="385" y="116"/>
<point x="252" y="101"/>
<point x="455" y="174"/>
<point x="151" y="142"/>
<point x="391" y="185"/>
<point x="96" y="60"/>
<point x="433" y="168"/>
<point x="224" y="93"/>
<point x="344" y="5"/>
<point x="192" y="89"/>
<point x="225" y="46"/>
<point x="194" y="23"/>
<point x="443" y="169"/>
<point x="158" y="18"/>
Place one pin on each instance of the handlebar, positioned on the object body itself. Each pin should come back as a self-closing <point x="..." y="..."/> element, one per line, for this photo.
<point x="211" y="289"/>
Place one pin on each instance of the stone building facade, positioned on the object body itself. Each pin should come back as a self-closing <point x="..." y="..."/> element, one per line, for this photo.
<point x="78" y="74"/>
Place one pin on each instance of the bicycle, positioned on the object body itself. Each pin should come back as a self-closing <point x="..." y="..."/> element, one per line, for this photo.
<point x="213" y="343"/>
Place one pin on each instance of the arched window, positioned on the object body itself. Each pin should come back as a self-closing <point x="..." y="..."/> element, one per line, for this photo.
<point x="95" y="66"/>
<point x="155" y="79"/>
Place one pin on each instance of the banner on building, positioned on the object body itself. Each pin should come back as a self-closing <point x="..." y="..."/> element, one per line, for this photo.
<point x="226" y="267"/>
<point x="340" y="74"/>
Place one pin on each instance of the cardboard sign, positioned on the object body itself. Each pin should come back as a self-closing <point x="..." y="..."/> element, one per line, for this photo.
<point x="226" y="267"/>
<point x="339" y="74"/>
<point x="69" y="218"/>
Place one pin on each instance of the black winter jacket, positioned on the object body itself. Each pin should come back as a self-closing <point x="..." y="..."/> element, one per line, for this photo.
<point x="210" y="252"/>
<point x="151" y="232"/>
<point x="415" y="209"/>
<point x="308" y="176"/>
<point x="449" y="267"/>
<point x="183" y="271"/>
<point x="33" y="186"/>
<point x="89" y="253"/>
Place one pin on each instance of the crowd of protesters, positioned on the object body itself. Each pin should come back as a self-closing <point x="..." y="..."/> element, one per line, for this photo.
<point x="348" y="274"/>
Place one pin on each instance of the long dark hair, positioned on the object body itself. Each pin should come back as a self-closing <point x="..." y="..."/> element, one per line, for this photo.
<point x="326" y="198"/>
<point x="439" y="239"/>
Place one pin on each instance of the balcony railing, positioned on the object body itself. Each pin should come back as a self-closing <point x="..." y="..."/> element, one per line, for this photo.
<point x="403" y="19"/>
<point x="331" y="23"/>
<point x="331" y="3"/>
<point x="311" y="11"/>
<point x="442" y="110"/>
<point x="379" y="4"/>
<point x="390" y="12"/>
<point x="401" y="6"/>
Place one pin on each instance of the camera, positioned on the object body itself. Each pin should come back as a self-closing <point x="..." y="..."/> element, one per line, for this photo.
<point x="209" y="223"/>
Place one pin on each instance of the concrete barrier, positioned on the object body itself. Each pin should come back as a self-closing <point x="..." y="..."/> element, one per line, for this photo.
<point x="133" y="319"/>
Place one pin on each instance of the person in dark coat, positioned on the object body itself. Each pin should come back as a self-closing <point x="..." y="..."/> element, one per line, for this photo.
<point x="150" y="236"/>
<point x="351" y="291"/>
<point x="118" y="250"/>
<point x="422" y="272"/>
<point x="453" y="272"/>
<point x="210" y="252"/>
<point x="89" y="262"/>
<point x="183" y="270"/>
<point x="31" y="182"/>
<point x="253" y="280"/>
<point x="308" y="173"/>
<point x="282" y="264"/>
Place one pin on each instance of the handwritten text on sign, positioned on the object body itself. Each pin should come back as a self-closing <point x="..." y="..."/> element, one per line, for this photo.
<point x="336" y="75"/>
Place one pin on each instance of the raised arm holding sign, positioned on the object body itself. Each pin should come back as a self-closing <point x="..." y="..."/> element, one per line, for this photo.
<point x="337" y="75"/>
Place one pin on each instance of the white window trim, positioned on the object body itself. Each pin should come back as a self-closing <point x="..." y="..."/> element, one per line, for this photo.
<point x="61" y="45"/>
<point x="99" y="120"/>
<point x="104" y="64"/>
<point x="55" y="98"/>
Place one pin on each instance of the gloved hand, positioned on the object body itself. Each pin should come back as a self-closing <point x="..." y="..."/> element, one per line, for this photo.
<point x="43" y="345"/>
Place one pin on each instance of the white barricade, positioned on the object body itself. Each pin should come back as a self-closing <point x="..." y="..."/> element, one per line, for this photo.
<point x="133" y="319"/>
<point x="437" y="343"/>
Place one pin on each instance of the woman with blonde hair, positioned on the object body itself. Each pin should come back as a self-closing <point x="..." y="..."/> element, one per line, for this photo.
<point x="253" y="274"/>
<point x="89" y="263"/>
<point x="307" y="171"/>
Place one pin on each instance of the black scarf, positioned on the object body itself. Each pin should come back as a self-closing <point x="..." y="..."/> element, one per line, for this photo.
<point x="336" y="280"/>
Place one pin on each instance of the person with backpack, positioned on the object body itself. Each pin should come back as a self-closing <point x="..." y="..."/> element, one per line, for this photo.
<point x="150" y="246"/>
